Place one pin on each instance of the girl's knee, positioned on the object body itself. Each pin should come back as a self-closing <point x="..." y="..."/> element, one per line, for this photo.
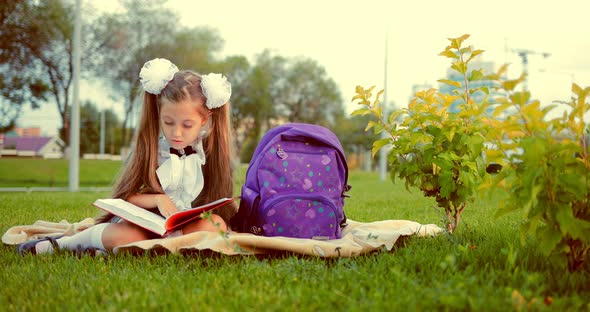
<point x="217" y="222"/>
<point x="117" y="234"/>
<point x="213" y="223"/>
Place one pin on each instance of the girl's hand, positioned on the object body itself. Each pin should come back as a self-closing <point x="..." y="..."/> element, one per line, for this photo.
<point x="165" y="205"/>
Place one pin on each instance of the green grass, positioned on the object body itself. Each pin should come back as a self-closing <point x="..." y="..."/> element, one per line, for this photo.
<point x="18" y="172"/>
<point x="480" y="267"/>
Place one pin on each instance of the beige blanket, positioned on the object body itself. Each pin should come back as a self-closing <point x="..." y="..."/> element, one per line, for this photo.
<point x="357" y="238"/>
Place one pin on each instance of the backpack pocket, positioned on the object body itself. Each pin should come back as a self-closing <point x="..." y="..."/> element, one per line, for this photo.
<point x="300" y="216"/>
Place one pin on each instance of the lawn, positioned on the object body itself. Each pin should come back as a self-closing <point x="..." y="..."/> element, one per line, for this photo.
<point x="481" y="267"/>
<point x="18" y="172"/>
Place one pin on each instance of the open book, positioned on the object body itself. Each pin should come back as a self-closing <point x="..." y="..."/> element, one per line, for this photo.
<point x="152" y="221"/>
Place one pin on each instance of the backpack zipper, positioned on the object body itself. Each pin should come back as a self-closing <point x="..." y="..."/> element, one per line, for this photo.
<point x="319" y="198"/>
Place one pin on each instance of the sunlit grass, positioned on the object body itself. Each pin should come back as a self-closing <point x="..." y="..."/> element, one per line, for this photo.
<point x="23" y="172"/>
<point x="481" y="267"/>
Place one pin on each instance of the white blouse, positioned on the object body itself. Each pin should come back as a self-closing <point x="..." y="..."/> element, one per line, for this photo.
<point x="181" y="177"/>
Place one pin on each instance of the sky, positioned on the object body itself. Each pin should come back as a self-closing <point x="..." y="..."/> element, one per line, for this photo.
<point x="350" y="39"/>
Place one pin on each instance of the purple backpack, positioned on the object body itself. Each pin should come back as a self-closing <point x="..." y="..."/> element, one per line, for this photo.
<point x="295" y="185"/>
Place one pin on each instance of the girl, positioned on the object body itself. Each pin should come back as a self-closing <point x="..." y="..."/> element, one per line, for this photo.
<point x="181" y="159"/>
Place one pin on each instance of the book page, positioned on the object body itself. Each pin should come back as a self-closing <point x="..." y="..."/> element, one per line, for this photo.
<point x="154" y="222"/>
<point x="133" y="214"/>
<point x="181" y="218"/>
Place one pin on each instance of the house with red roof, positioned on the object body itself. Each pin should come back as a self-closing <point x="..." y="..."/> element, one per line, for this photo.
<point x="31" y="146"/>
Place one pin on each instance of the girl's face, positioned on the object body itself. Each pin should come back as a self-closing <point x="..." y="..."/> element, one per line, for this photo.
<point x="181" y="122"/>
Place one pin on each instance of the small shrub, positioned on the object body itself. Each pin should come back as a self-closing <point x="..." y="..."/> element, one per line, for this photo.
<point x="435" y="148"/>
<point x="546" y="170"/>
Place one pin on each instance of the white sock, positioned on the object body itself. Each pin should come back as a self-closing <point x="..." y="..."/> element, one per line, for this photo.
<point x="91" y="237"/>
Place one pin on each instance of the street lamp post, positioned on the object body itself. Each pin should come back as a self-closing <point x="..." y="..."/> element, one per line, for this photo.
<point x="74" y="173"/>
<point x="383" y="151"/>
<point x="102" y="134"/>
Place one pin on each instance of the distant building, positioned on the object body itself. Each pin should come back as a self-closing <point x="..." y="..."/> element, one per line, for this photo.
<point x="31" y="131"/>
<point x="32" y="146"/>
<point x="476" y="64"/>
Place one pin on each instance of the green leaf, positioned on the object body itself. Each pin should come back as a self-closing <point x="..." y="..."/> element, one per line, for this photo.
<point x="474" y="54"/>
<point x="459" y="66"/>
<point x="370" y="125"/>
<point x="451" y="134"/>
<point x="548" y="240"/>
<point x="361" y="112"/>
<point x="357" y="97"/>
<point x="509" y="85"/>
<point x="394" y="116"/>
<point x="449" y="54"/>
<point x="476" y="75"/>
<point x="451" y="82"/>
<point x="456" y="42"/>
<point x="576" y="89"/>
<point x="378" y="127"/>
<point x="569" y="225"/>
<point x="377" y="145"/>
<point x="520" y="97"/>
<point x="572" y="182"/>
<point x="378" y="96"/>
<point x="447" y="184"/>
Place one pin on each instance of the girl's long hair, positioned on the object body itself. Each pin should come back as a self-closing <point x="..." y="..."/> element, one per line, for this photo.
<point x="139" y="174"/>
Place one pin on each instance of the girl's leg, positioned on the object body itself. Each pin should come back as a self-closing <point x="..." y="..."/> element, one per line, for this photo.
<point x="123" y="233"/>
<point x="212" y="224"/>
<point x="104" y="236"/>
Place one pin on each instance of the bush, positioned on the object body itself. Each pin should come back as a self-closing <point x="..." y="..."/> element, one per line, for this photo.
<point x="439" y="146"/>
<point x="549" y="178"/>
<point x="435" y="148"/>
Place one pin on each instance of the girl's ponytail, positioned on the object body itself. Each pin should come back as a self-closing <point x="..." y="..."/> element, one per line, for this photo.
<point x="138" y="175"/>
<point x="217" y="170"/>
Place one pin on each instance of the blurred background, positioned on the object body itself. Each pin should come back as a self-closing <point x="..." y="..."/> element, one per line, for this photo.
<point x="287" y="61"/>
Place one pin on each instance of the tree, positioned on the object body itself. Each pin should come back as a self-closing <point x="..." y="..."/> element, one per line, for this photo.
<point x="434" y="148"/>
<point x="351" y="133"/>
<point x="237" y="69"/>
<point x="309" y="95"/>
<point x="265" y="85"/>
<point x="18" y="86"/>
<point x="274" y="90"/>
<point x="15" y="92"/>
<point x="42" y="41"/>
<point x="89" y="128"/>
<point x="128" y="34"/>
<point x="259" y="104"/>
<point x="143" y="32"/>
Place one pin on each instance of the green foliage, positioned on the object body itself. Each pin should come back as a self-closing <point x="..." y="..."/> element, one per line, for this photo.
<point x="19" y="84"/>
<point x="247" y="150"/>
<point x="308" y="94"/>
<point x="483" y="264"/>
<point x="351" y="134"/>
<point x="34" y="172"/>
<point x="545" y="160"/>
<point x="90" y="130"/>
<point x="37" y="41"/>
<point x="143" y="31"/>
<point x="274" y="89"/>
<point x="18" y="89"/>
<point x="546" y="170"/>
<point x="435" y="147"/>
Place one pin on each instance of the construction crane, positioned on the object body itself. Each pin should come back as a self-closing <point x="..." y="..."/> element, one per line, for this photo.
<point x="524" y="58"/>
